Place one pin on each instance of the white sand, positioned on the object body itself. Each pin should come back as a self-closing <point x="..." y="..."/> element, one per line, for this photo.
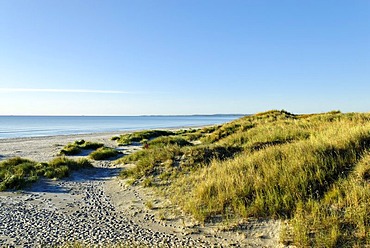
<point x="46" y="148"/>
<point x="114" y="204"/>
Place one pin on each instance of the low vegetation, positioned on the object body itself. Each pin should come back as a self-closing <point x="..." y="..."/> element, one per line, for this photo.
<point x="99" y="151"/>
<point x="79" y="145"/>
<point x="142" y="136"/>
<point x="104" y="153"/>
<point x="17" y="172"/>
<point x="313" y="170"/>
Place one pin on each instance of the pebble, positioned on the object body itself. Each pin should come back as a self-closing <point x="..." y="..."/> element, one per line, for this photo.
<point x="95" y="221"/>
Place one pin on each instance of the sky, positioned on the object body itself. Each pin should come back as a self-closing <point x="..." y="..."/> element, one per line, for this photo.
<point x="146" y="57"/>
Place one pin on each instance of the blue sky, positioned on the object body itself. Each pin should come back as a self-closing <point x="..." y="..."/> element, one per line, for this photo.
<point x="183" y="56"/>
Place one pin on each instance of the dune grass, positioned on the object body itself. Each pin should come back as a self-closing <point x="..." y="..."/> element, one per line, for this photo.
<point x="100" y="152"/>
<point x="341" y="217"/>
<point x="76" y="147"/>
<point x="169" y="140"/>
<point x="262" y="183"/>
<point x="312" y="170"/>
<point x="128" y="139"/>
<point x="104" y="153"/>
<point x="17" y="172"/>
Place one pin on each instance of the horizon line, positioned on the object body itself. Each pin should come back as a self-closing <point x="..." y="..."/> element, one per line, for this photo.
<point x="143" y="115"/>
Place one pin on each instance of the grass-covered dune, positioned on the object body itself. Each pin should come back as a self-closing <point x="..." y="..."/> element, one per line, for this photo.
<point x="313" y="170"/>
<point x="76" y="147"/>
<point x="141" y="136"/>
<point x="98" y="150"/>
<point x="17" y="172"/>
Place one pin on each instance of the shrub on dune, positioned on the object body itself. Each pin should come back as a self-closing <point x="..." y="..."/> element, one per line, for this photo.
<point x="104" y="153"/>
<point x="76" y="147"/>
<point x="17" y="172"/>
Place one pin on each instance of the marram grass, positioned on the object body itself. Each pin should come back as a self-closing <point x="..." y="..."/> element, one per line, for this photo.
<point x="76" y="147"/>
<point x="17" y="172"/>
<point x="104" y="153"/>
<point x="312" y="170"/>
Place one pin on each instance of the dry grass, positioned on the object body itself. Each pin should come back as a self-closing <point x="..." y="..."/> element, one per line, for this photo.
<point x="274" y="164"/>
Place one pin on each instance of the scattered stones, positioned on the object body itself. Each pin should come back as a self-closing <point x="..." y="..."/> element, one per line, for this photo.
<point x="33" y="219"/>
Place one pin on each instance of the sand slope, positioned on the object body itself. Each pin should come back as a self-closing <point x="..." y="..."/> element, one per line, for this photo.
<point x="94" y="207"/>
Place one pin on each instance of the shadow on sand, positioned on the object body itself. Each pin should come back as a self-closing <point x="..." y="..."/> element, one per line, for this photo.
<point x="86" y="153"/>
<point x="45" y="185"/>
<point x="93" y="174"/>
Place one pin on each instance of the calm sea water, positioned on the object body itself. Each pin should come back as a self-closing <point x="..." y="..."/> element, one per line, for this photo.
<point x="32" y="126"/>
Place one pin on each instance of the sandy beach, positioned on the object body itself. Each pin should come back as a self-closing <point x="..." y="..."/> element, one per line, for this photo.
<point x="94" y="207"/>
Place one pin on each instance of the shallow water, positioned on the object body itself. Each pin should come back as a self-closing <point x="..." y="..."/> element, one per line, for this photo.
<point x="34" y="126"/>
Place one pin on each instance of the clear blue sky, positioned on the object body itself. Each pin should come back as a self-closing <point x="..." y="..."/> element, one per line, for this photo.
<point x="183" y="56"/>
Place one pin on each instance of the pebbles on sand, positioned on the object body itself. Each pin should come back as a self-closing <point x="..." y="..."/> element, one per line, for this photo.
<point x="74" y="210"/>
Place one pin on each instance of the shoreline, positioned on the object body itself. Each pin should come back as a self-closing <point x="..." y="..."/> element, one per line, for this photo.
<point x="93" y="134"/>
<point x="87" y="204"/>
<point x="28" y="126"/>
<point x="46" y="148"/>
<point x="61" y="136"/>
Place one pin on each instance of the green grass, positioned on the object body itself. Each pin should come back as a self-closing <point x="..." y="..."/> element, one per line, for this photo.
<point x="104" y="153"/>
<point x="312" y="170"/>
<point x="76" y="147"/>
<point x="261" y="184"/>
<point x="150" y="161"/>
<point x="340" y="218"/>
<point x="71" y="149"/>
<point x="128" y="139"/>
<point x="91" y="145"/>
<point x="100" y="151"/>
<point x="169" y="140"/>
<point x="16" y="173"/>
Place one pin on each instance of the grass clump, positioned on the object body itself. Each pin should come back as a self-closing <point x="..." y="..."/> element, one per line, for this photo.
<point x="150" y="161"/>
<point x="128" y="139"/>
<point x="91" y="145"/>
<point x="149" y="204"/>
<point x="104" y="153"/>
<point x="70" y="163"/>
<point x="71" y="149"/>
<point x="169" y="140"/>
<point x="17" y="172"/>
<point x="76" y="147"/>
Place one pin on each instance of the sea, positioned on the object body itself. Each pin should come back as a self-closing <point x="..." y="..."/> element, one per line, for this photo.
<point x="36" y="126"/>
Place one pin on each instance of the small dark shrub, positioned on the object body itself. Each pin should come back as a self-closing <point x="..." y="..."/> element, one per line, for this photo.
<point x="80" y="142"/>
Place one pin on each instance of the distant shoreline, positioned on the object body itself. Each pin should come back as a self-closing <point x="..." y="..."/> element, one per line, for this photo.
<point x="95" y="134"/>
<point x="125" y="115"/>
<point x="46" y="126"/>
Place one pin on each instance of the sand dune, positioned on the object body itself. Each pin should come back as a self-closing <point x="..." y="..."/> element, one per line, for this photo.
<point x="93" y="206"/>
